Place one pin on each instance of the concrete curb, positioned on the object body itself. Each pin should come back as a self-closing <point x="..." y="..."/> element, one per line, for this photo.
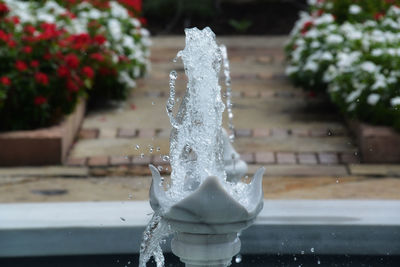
<point x="329" y="227"/>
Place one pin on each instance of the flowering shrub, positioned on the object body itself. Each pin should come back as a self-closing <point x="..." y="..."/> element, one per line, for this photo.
<point x="51" y="56"/>
<point x="357" y="62"/>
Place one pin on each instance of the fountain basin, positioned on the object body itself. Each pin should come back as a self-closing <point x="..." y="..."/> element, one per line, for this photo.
<point x="284" y="227"/>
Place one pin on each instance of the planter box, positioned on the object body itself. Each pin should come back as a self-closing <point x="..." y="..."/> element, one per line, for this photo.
<point x="43" y="146"/>
<point x="377" y="144"/>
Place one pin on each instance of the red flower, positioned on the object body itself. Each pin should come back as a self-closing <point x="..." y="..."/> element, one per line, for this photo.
<point x="3" y="9"/>
<point x="378" y="16"/>
<point x="47" y="56"/>
<point x="11" y="44"/>
<point x="69" y="14"/>
<point x="63" y="71"/>
<point x="88" y="72"/>
<point x="306" y="26"/>
<point x="71" y="86"/>
<point x="97" y="56"/>
<point x="20" y="65"/>
<point x="15" y="19"/>
<point x="27" y="49"/>
<point x="40" y="100"/>
<point x="41" y="78"/>
<point x="135" y="4"/>
<point x="80" y="41"/>
<point x="72" y="60"/>
<point x="4" y="36"/>
<point x="29" y="29"/>
<point x="100" y="39"/>
<point x="5" y="81"/>
<point x="143" y="20"/>
<point x="34" y="63"/>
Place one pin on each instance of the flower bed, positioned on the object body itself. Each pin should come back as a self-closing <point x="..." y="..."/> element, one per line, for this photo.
<point x="351" y="49"/>
<point x="52" y="55"/>
<point x="55" y="53"/>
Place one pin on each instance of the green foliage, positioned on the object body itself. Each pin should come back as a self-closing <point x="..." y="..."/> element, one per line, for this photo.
<point x="240" y="25"/>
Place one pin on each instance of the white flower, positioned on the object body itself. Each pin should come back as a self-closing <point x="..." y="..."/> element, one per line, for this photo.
<point x="128" y="42"/>
<point x="326" y="56"/>
<point x="315" y="44"/>
<point x="46" y="17"/>
<point x="94" y="14"/>
<point x="346" y="60"/>
<point x="291" y="69"/>
<point x="379" y="83"/>
<point x="118" y="11"/>
<point x="311" y="66"/>
<point x="368" y="66"/>
<point x="313" y="33"/>
<point x="395" y="101"/>
<point x="373" y="99"/>
<point x="353" y="95"/>
<point x="324" y="19"/>
<point x="115" y="29"/>
<point x="124" y="78"/>
<point x="334" y="39"/>
<point x="377" y="52"/>
<point x="354" y="9"/>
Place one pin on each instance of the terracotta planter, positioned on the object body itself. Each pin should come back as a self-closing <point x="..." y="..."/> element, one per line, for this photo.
<point x="377" y="144"/>
<point x="43" y="146"/>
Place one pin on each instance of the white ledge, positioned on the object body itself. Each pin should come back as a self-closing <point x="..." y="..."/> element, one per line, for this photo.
<point x="359" y="227"/>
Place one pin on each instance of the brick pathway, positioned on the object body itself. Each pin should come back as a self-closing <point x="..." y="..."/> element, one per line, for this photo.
<point x="276" y="124"/>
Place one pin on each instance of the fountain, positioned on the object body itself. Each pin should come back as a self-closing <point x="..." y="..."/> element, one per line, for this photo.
<point x="205" y="205"/>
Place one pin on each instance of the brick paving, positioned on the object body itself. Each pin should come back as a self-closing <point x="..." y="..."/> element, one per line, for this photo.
<point x="276" y="124"/>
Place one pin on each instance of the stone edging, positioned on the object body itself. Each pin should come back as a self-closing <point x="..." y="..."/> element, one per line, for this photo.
<point x="43" y="146"/>
<point x="377" y="144"/>
<point x="331" y="227"/>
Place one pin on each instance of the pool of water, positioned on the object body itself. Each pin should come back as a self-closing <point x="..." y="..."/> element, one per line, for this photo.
<point x="172" y="261"/>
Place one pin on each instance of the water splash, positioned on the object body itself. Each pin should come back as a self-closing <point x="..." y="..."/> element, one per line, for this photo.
<point x="153" y="236"/>
<point x="228" y="88"/>
<point x="196" y="135"/>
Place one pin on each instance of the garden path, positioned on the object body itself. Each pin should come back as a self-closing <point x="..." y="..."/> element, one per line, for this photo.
<point x="276" y="124"/>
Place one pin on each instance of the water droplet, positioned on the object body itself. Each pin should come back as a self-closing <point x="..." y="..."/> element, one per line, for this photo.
<point x="153" y="103"/>
<point x="173" y="75"/>
<point x="160" y="168"/>
<point x="238" y="258"/>
<point x="337" y="180"/>
<point x="142" y="155"/>
<point x="122" y="219"/>
<point x="129" y="262"/>
<point x="318" y="262"/>
<point x="295" y="259"/>
<point x="130" y="196"/>
<point x="312" y="250"/>
<point x="158" y="149"/>
<point x="165" y="158"/>
<point x="302" y="252"/>
<point x="137" y="147"/>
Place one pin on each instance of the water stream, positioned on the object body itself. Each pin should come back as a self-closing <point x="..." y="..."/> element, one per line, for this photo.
<point x="196" y="141"/>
